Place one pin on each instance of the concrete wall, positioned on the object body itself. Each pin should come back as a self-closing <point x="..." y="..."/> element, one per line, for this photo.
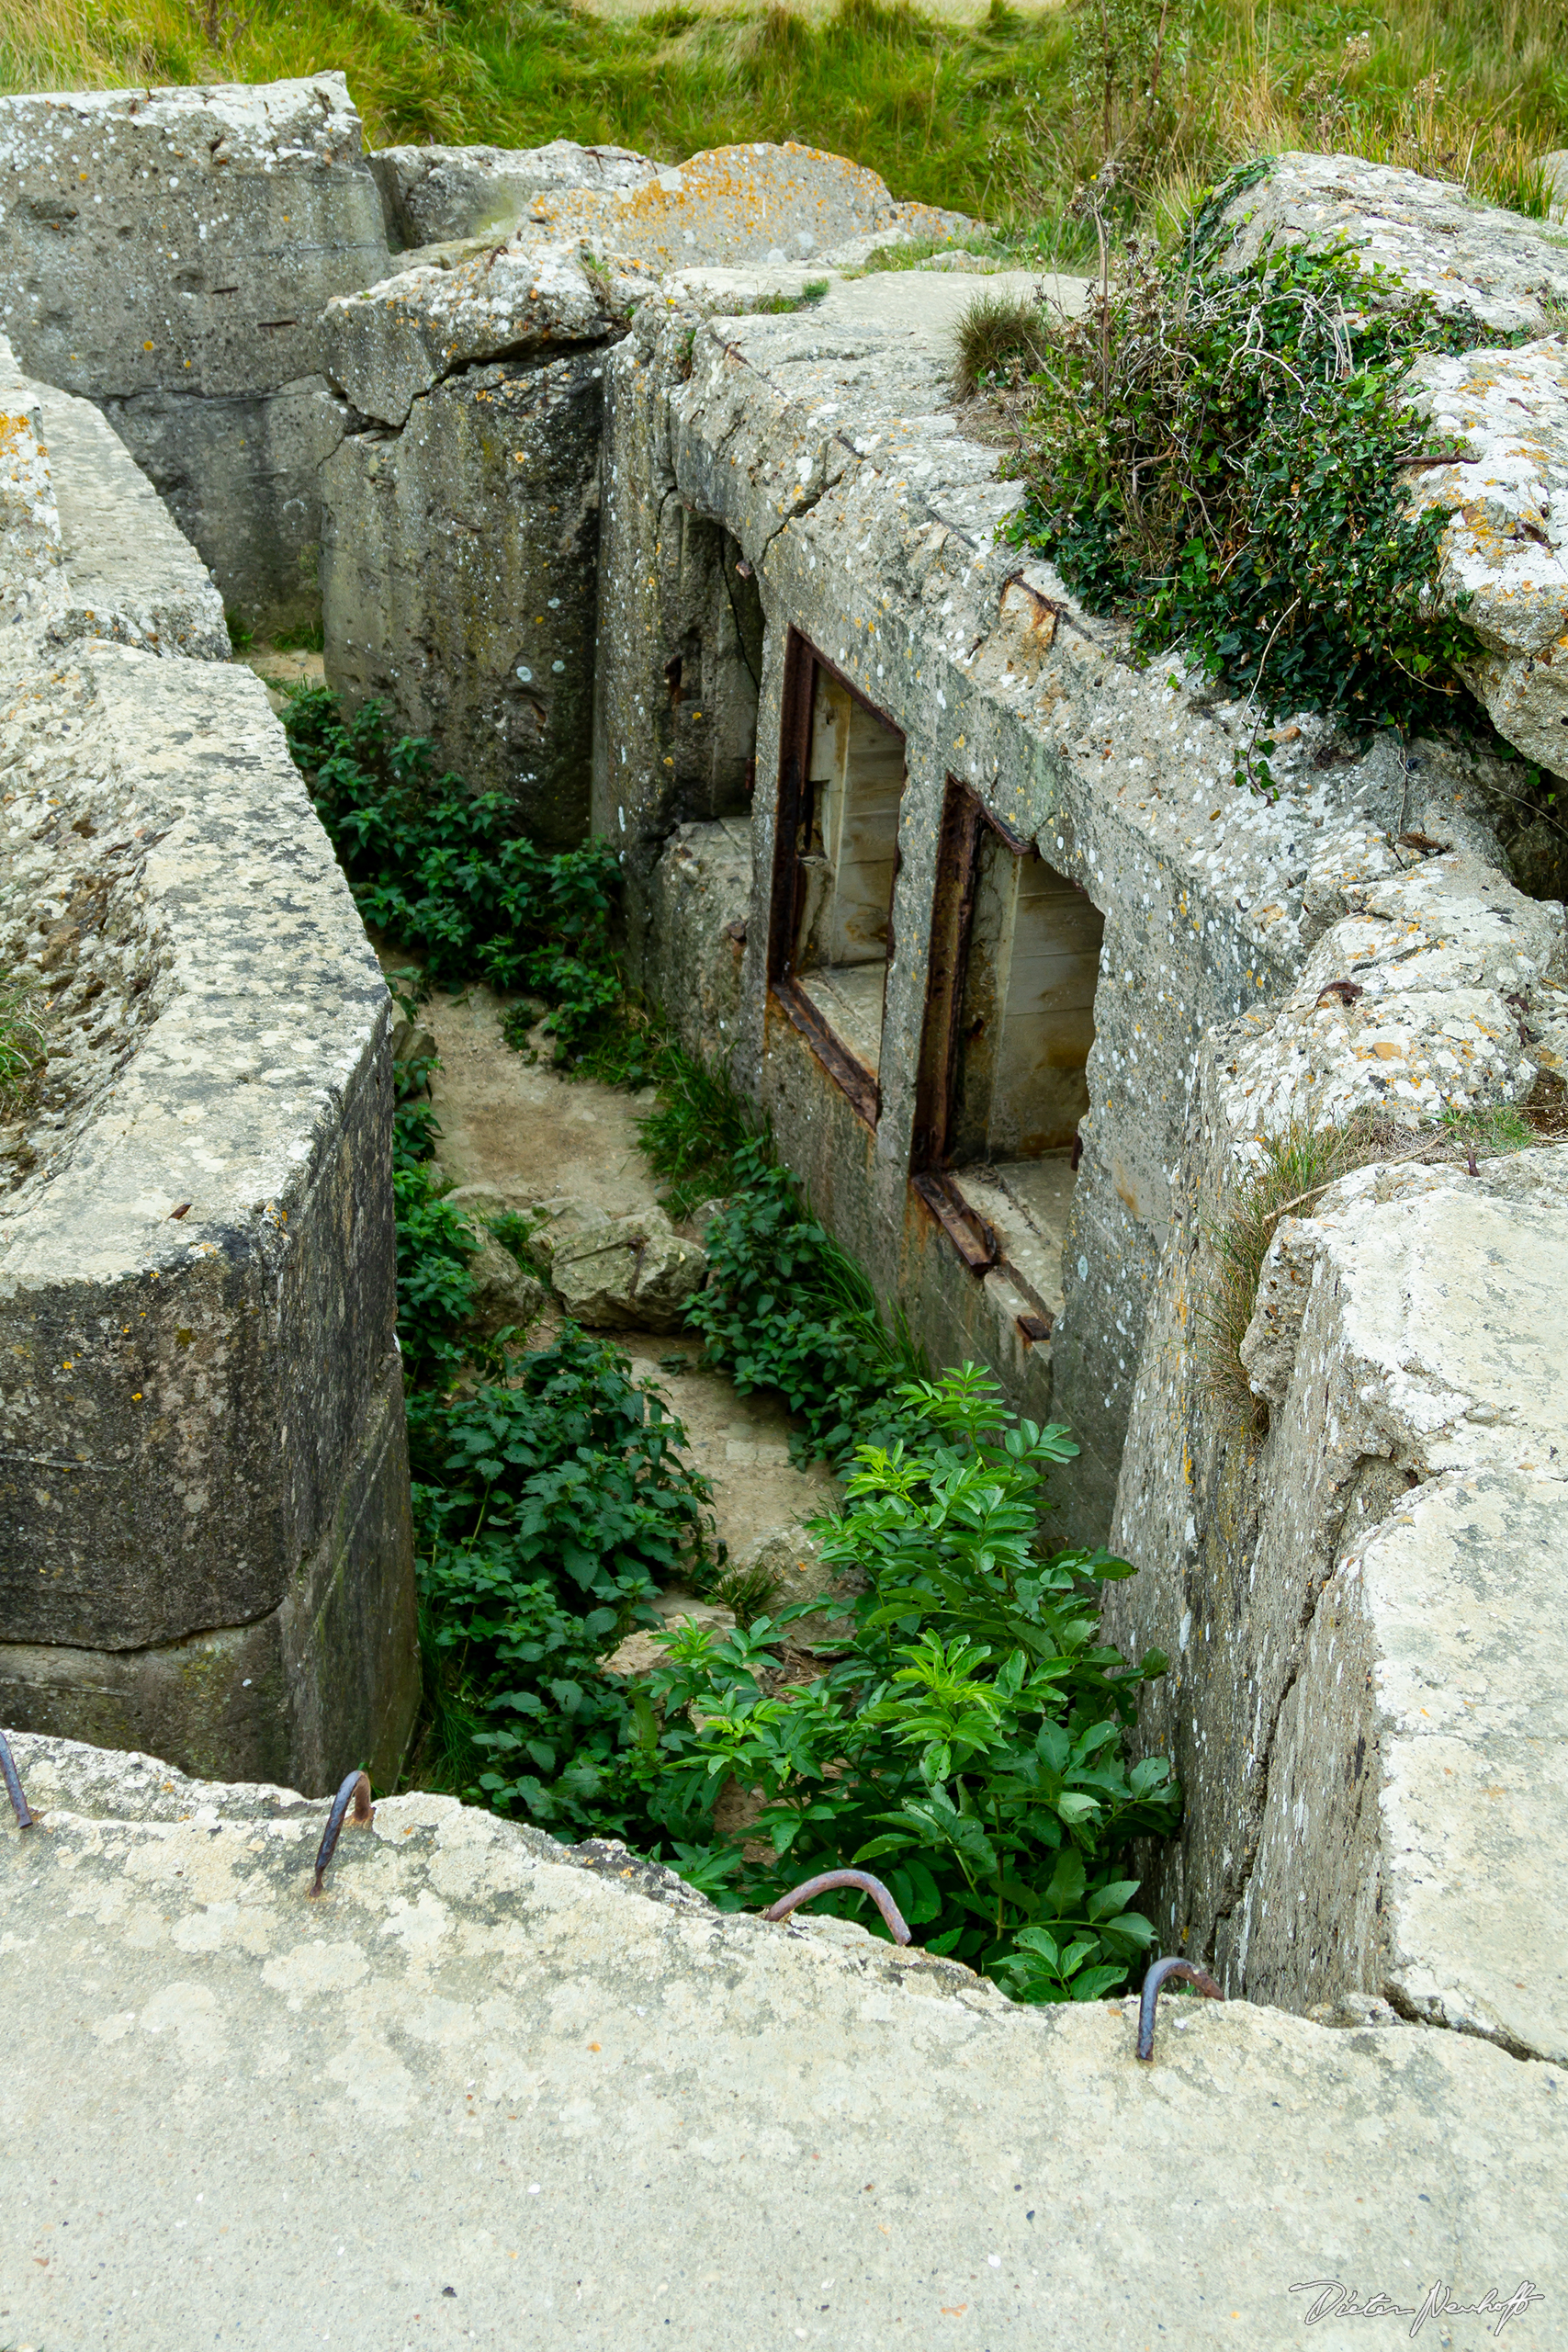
<point x="166" y="253"/>
<point x="821" y="443"/>
<point x="459" y="573"/>
<point x="205" y="1544"/>
<point x="1359" y="1599"/>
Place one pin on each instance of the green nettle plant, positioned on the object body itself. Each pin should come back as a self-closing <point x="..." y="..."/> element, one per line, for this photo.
<point x="445" y="872"/>
<point x="967" y="1742"/>
<point x="548" y="1511"/>
<point x="785" y="1308"/>
<point x="1226" y="459"/>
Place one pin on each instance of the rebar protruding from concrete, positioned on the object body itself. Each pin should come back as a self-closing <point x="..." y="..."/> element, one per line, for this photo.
<point x="19" y="1805"/>
<point x="355" y="1790"/>
<point x="897" y="1927"/>
<point x="1161" y="1974"/>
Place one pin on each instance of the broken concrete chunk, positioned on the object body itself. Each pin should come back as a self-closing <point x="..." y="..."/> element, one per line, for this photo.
<point x="1427" y="236"/>
<point x="614" y="1272"/>
<point x="796" y="1571"/>
<point x="431" y="194"/>
<point x="504" y="1294"/>
<point x="1504" y="553"/>
<point x="396" y="340"/>
<point x="757" y="202"/>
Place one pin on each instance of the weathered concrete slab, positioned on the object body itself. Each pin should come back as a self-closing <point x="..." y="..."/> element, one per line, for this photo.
<point x="204" y="1538"/>
<point x="431" y="194"/>
<point x="133" y="576"/>
<point x="1506" y="549"/>
<point x="1474" y="260"/>
<point x="729" y="206"/>
<point x="459" y="579"/>
<point x="399" y="338"/>
<point x="165" y="250"/>
<point x="465" y="2094"/>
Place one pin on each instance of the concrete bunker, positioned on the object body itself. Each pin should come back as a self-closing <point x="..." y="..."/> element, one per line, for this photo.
<point x="797" y="632"/>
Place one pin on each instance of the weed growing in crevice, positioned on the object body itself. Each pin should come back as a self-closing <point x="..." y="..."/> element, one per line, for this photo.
<point x="1293" y="1170"/>
<point x="1227" y="461"/>
<point x="21" y="1049"/>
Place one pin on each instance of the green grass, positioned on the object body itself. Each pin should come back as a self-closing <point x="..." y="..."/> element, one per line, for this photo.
<point x="1007" y="113"/>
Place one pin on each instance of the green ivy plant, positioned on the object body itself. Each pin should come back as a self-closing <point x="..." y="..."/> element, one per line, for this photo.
<point x="967" y="1742"/>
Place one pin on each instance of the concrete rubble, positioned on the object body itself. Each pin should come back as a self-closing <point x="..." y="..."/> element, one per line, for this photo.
<point x="479" y="2077"/>
<point x="614" y="1273"/>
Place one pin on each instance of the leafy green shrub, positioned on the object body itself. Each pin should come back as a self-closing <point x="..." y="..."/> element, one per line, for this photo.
<point x="1226" y="460"/>
<point x="968" y="1742"/>
<point x="785" y="1308"/>
<point x="446" y="873"/>
<point x="547" y="1513"/>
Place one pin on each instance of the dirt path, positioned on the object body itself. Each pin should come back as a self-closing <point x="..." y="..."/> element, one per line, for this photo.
<point x="537" y="1137"/>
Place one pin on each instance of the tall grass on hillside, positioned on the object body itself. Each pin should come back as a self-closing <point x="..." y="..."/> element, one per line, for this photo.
<point x="1009" y="114"/>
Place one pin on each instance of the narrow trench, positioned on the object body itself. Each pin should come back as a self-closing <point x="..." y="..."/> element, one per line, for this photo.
<point x="535" y="1137"/>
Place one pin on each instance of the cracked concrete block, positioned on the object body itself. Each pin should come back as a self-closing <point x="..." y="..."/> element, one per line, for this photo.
<point x="504" y="1294"/>
<point x="396" y="340"/>
<point x="565" y="2048"/>
<point x="1407" y="1006"/>
<point x="433" y="195"/>
<point x="459" y="580"/>
<point x="614" y="1273"/>
<point x="167" y="254"/>
<point x="1428" y="237"/>
<point x="1504" y="551"/>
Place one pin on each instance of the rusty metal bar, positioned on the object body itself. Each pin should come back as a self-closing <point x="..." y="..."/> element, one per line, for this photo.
<point x="897" y="1927"/>
<point x="355" y="1790"/>
<point x="19" y="1805"/>
<point x="1161" y="1974"/>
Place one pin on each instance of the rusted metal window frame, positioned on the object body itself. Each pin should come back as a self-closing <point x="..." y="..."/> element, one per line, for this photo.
<point x="964" y="817"/>
<point x="791" y="822"/>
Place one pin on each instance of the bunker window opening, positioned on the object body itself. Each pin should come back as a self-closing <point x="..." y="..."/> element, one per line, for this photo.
<point x="1009" y="1023"/>
<point x="841" y="786"/>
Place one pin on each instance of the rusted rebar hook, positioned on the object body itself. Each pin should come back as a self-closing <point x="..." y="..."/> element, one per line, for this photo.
<point x="1161" y="1974"/>
<point x="355" y="1790"/>
<point x="19" y="1805"/>
<point x="897" y="1927"/>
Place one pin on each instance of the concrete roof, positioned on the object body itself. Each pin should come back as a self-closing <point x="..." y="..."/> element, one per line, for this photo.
<point x="482" y="2094"/>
